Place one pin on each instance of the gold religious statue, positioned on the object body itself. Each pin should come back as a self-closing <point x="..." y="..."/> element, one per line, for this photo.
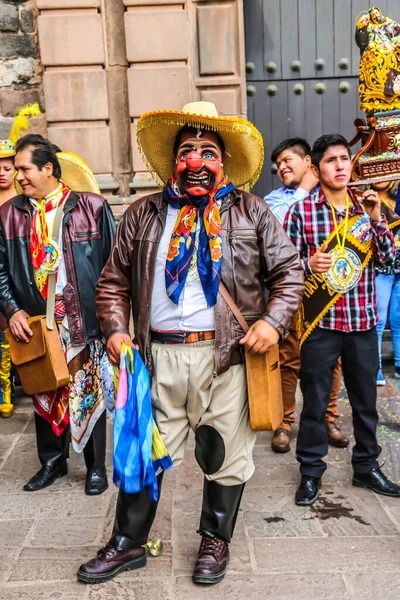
<point x="378" y="38"/>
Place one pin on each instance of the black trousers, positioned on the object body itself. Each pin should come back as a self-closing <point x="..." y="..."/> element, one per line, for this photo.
<point x="360" y="363"/>
<point x="53" y="448"/>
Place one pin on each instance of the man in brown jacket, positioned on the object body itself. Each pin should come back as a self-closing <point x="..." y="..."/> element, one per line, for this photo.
<point x="171" y="251"/>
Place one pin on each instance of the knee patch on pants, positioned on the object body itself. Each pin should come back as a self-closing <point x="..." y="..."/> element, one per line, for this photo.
<point x="210" y="449"/>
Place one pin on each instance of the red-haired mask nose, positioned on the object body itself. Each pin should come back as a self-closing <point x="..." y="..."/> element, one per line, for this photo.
<point x="194" y="161"/>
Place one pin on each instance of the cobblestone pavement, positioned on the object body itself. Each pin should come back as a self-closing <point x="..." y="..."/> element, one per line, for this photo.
<point x="346" y="547"/>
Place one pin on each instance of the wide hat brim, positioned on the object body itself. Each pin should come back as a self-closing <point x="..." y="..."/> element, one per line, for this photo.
<point x="243" y="161"/>
<point x="75" y="173"/>
<point x="7" y="149"/>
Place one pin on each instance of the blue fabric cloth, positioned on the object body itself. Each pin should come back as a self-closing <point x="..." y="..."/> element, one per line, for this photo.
<point x="388" y="303"/>
<point x="280" y="200"/>
<point x="209" y="267"/>
<point x="397" y="208"/>
<point x="134" y="469"/>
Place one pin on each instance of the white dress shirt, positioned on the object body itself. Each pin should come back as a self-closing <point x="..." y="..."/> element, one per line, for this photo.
<point x="192" y="312"/>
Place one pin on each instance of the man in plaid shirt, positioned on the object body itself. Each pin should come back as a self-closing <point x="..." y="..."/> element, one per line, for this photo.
<point x="348" y="328"/>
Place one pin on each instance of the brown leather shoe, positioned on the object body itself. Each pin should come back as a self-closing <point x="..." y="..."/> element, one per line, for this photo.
<point x="110" y="561"/>
<point x="281" y="441"/>
<point x="336" y="437"/>
<point x="212" y="560"/>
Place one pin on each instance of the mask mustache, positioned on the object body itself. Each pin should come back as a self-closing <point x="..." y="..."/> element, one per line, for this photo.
<point x="204" y="171"/>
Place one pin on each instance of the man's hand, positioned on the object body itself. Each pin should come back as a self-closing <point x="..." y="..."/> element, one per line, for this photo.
<point x="320" y="262"/>
<point x="372" y="204"/>
<point x="309" y="181"/>
<point x="260" y="337"/>
<point x="114" y="345"/>
<point x="19" y="326"/>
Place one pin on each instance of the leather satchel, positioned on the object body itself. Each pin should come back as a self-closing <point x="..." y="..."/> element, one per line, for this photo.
<point x="263" y="379"/>
<point x="41" y="363"/>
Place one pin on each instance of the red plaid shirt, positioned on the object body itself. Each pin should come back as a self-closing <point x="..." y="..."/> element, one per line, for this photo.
<point x="308" y="223"/>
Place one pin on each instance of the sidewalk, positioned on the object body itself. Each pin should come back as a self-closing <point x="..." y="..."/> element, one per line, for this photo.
<point x="346" y="547"/>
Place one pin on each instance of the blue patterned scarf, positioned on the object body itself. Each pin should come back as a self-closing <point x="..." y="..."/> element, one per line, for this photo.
<point x="183" y="239"/>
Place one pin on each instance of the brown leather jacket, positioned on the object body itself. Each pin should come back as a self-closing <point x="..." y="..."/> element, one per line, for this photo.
<point x="257" y="256"/>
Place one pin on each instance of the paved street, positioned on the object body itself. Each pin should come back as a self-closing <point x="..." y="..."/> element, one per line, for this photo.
<point x="346" y="547"/>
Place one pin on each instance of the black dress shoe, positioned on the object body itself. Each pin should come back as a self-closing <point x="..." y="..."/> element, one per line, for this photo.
<point x="96" y="482"/>
<point x="46" y="476"/>
<point x="307" y="492"/>
<point x="376" y="481"/>
<point x="110" y="561"/>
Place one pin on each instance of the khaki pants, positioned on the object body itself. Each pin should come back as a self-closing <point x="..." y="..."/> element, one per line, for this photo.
<point x="186" y="395"/>
<point x="289" y="357"/>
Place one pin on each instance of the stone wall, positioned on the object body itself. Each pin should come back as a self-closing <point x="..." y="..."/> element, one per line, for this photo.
<point x="104" y="62"/>
<point x="20" y="67"/>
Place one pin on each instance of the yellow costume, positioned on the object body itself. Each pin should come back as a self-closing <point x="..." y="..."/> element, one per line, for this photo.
<point x="7" y="150"/>
<point x="378" y="38"/>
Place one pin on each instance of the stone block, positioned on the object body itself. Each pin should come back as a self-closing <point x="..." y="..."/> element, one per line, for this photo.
<point x="28" y="19"/>
<point x="65" y="532"/>
<point x="74" y="38"/>
<point x="219" y="55"/>
<point x="374" y="585"/>
<point x="39" y="590"/>
<point x="327" y="555"/>
<point x="11" y="100"/>
<point x="17" y="44"/>
<point x="14" y="531"/>
<point x="7" y="443"/>
<point x="19" y="70"/>
<point x="279" y="587"/>
<point x="227" y="100"/>
<point x="156" y="87"/>
<point x="8" y="17"/>
<point x="19" y="421"/>
<point x="42" y="4"/>
<point x="30" y="506"/>
<point x="91" y="141"/>
<point x="5" y="128"/>
<point x="168" y="31"/>
<point x="75" y="95"/>
<point x="134" y="589"/>
<point x="279" y="524"/>
<point x="152" y="2"/>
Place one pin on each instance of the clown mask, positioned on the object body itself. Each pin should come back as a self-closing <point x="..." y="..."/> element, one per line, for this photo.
<point x="199" y="163"/>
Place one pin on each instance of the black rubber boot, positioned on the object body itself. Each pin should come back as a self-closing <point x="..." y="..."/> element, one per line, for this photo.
<point x="220" y="509"/>
<point x="134" y="517"/>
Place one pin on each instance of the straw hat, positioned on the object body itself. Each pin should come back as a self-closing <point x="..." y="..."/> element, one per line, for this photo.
<point x="156" y="133"/>
<point x="7" y="149"/>
<point x="75" y="173"/>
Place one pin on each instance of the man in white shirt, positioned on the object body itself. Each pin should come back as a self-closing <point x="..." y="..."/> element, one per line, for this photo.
<point x="171" y="252"/>
<point x="293" y="160"/>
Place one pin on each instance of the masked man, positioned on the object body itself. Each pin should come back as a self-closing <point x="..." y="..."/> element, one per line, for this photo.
<point x="45" y="178"/>
<point x="171" y="251"/>
<point x="292" y="157"/>
<point x="340" y="241"/>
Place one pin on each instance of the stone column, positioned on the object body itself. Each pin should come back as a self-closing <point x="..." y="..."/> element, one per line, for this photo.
<point x="116" y="66"/>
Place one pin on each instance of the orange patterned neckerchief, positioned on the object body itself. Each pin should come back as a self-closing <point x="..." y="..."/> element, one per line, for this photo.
<point x="40" y="233"/>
